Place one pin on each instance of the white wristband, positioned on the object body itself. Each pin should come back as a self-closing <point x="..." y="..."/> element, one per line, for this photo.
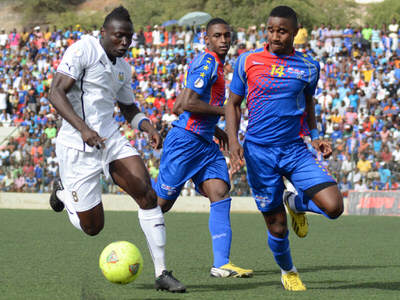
<point x="137" y="120"/>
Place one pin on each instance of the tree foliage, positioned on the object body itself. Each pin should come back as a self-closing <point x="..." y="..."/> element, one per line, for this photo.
<point x="380" y="13"/>
<point x="237" y="12"/>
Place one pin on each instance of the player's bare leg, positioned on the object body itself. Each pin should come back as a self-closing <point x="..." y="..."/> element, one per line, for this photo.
<point x="92" y="220"/>
<point x="165" y="204"/>
<point x="330" y="200"/>
<point x="278" y="242"/>
<point x="131" y="175"/>
<point x="217" y="192"/>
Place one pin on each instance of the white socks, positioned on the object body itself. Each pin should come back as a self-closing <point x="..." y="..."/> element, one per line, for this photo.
<point x="294" y="270"/>
<point x="72" y="215"/>
<point x="153" y="226"/>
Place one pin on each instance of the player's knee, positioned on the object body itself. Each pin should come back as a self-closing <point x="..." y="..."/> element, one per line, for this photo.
<point x="278" y="230"/>
<point x="335" y="209"/>
<point x="145" y="195"/>
<point x="165" y="207"/>
<point x="218" y="194"/>
<point x="93" y="230"/>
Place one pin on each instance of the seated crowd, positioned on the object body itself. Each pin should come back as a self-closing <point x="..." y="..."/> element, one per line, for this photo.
<point x="357" y="100"/>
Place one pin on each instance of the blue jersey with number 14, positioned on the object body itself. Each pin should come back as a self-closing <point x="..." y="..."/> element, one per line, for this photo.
<point x="275" y="86"/>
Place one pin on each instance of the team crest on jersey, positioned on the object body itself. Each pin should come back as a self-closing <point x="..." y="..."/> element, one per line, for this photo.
<point x="262" y="201"/>
<point x="121" y="76"/>
<point x="199" y="83"/>
<point x="299" y="73"/>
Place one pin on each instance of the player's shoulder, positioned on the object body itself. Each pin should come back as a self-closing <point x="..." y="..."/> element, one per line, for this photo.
<point x="205" y="62"/>
<point x="241" y="60"/>
<point x="244" y="55"/>
<point x="308" y="59"/>
<point x="86" y="46"/>
<point x="86" y="42"/>
<point x="204" y="58"/>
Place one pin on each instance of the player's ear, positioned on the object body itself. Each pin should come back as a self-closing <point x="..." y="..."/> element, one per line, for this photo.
<point x="206" y="40"/>
<point x="296" y="29"/>
<point x="102" y="32"/>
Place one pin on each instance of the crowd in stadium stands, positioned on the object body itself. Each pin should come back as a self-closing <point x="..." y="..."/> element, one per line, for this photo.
<point x="357" y="100"/>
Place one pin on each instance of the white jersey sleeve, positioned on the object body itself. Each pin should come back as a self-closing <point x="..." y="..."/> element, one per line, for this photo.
<point x="76" y="58"/>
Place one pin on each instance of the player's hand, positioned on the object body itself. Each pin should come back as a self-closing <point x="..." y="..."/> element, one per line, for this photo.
<point x="222" y="138"/>
<point x="236" y="155"/>
<point x="322" y="146"/>
<point x="92" y="138"/>
<point x="155" y="139"/>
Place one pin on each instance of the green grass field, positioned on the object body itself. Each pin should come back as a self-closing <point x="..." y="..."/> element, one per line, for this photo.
<point x="43" y="257"/>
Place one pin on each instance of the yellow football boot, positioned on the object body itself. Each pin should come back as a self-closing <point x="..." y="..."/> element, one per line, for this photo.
<point x="299" y="220"/>
<point x="291" y="282"/>
<point x="230" y="270"/>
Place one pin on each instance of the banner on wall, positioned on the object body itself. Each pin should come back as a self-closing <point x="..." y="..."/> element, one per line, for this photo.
<point x="378" y="203"/>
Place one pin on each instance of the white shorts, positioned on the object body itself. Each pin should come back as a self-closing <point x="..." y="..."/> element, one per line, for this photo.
<point x="80" y="171"/>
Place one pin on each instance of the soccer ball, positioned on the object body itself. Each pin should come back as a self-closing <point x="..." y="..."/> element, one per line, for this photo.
<point x="121" y="262"/>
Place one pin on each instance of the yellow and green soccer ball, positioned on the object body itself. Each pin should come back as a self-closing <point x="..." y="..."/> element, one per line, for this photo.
<point x="121" y="262"/>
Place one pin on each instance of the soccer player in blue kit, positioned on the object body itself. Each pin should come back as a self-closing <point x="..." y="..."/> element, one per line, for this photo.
<point x="279" y="84"/>
<point x="189" y="151"/>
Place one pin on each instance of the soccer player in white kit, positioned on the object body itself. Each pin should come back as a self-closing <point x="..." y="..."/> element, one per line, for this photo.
<point x="90" y="77"/>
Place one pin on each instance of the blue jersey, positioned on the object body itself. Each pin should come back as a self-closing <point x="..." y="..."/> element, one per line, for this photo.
<point x="205" y="76"/>
<point x="275" y="87"/>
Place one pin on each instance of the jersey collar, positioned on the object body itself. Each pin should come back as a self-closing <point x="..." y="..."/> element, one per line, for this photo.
<point x="270" y="54"/>
<point x="219" y="61"/>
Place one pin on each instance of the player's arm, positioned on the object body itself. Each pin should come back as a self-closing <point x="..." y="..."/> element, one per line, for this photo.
<point x="177" y="108"/>
<point x="138" y="120"/>
<point x="190" y="101"/>
<point x="198" y="82"/>
<point x="320" y="145"/>
<point x="222" y="138"/>
<point x="60" y="86"/>
<point x="232" y="117"/>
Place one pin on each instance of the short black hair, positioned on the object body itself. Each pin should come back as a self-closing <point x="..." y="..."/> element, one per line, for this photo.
<point x="119" y="13"/>
<point x="286" y="12"/>
<point x="215" y="21"/>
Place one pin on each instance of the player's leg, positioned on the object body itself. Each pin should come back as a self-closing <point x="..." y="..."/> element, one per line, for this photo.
<point x="131" y="175"/>
<point x="79" y="189"/>
<point x="179" y="162"/>
<point x="213" y="181"/>
<point x="317" y="190"/>
<point x="267" y="188"/>
<point x="324" y="199"/>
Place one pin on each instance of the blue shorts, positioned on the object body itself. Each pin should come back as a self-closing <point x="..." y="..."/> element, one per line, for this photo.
<point x="267" y="164"/>
<point x="188" y="156"/>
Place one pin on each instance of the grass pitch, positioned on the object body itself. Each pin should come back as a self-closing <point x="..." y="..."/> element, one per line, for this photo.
<point x="43" y="257"/>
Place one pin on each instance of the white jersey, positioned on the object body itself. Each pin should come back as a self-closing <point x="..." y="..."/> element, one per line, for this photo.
<point x="99" y="83"/>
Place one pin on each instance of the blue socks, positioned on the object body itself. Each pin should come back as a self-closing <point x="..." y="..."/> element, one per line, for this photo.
<point x="303" y="203"/>
<point x="281" y="251"/>
<point x="219" y="225"/>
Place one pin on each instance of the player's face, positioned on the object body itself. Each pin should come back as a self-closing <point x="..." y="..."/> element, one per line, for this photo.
<point x="281" y="33"/>
<point x="218" y="39"/>
<point x="117" y="37"/>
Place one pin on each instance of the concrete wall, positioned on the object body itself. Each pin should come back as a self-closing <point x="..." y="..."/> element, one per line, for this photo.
<point x="122" y="202"/>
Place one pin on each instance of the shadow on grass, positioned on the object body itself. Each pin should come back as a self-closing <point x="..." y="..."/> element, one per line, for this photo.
<point x="388" y="286"/>
<point x="322" y="268"/>
<point x="246" y="284"/>
<point x="341" y="268"/>
<point x="90" y="295"/>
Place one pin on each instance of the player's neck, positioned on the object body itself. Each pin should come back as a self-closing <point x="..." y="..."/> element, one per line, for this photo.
<point x="283" y="52"/>
<point x="110" y="57"/>
<point x="221" y="57"/>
